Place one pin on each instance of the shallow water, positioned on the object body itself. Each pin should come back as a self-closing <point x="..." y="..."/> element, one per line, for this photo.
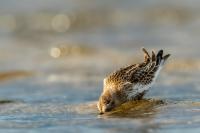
<point x="51" y="75"/>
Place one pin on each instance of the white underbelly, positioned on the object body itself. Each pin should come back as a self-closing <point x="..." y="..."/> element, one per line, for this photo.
<point x="138" y="89"/>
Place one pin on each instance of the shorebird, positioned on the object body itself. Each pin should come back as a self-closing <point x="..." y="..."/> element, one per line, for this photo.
<point x="131" y="82"/>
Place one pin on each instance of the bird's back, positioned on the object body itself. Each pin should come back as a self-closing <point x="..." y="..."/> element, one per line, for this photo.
<point x="140" y="76"/>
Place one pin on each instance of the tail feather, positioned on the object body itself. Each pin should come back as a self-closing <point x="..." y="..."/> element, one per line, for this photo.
<point x="153" y="58"/>
<point x="160" y="58"/>
<point x="146" y="55"/>
<point x="166" y="57"/>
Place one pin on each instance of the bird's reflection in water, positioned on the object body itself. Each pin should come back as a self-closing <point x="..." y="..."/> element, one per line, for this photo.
<point x="139" y="114"/>
<point x="136" y="109"/>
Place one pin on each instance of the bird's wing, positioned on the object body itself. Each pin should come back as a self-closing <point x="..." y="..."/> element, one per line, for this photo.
<point x="145" y="72"/>
<point x="142" y="73"/>
<point x="132" y="73"/>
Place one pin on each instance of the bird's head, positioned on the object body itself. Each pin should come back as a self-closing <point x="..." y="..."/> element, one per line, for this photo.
<point x="112" y="95"/>
<point x="106" y="102"/>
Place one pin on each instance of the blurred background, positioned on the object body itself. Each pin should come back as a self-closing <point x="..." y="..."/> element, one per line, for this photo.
<point x="51" y="50"/>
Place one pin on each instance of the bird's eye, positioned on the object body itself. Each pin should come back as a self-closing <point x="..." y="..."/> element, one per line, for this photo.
<point x="107" y="101"/>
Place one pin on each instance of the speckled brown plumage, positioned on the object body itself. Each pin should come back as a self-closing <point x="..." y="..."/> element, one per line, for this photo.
<point x="131" y="82"/>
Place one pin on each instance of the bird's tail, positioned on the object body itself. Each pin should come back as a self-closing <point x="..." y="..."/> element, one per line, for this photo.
<point x="160" y="59"/>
